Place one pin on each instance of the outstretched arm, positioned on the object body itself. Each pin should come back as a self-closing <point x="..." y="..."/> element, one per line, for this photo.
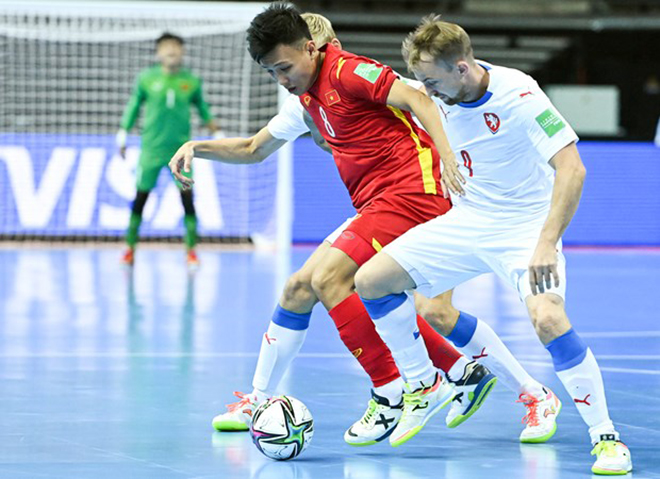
<point x="403" y="97"/>
<point x="229" y="150"/>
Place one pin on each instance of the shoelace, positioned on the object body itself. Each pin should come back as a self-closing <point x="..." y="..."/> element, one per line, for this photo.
<point x="244" y="401"/>
<point x="606" y="447"/>
<point x="371" y="410"/>
<point x="410" y="401"/>
<point x="531" y="403"/>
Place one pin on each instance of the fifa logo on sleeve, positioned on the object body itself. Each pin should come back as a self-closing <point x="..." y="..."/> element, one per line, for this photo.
<point x="492" y="122"/>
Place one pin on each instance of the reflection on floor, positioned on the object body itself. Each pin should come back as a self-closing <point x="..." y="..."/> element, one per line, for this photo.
<point x="109" y="373"/>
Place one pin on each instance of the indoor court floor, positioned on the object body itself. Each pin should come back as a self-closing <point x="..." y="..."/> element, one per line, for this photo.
<point x="107" y="372"/>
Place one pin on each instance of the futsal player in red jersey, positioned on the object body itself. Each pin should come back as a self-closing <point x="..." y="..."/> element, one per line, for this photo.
<point x="392" y="171"/>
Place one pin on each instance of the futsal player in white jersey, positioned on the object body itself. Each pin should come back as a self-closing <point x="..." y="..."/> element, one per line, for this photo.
<point x="288" y="125"/>
<point x="472" y="381"/>
<point x="517" y="186"/>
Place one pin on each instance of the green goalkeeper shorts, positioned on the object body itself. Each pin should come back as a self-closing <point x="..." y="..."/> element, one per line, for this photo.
<point x="149" y="167"/>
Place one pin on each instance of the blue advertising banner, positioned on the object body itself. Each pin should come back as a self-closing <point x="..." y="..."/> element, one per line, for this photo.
<point x="79" y="185"/>
<point x="620" y="204"/>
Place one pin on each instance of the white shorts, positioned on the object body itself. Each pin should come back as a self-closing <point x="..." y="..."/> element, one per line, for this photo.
<point x="464" y="243"/>
<point x="332" y="237"/>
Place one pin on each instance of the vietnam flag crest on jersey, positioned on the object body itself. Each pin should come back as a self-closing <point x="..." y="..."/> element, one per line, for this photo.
<point x="332" y="97"/>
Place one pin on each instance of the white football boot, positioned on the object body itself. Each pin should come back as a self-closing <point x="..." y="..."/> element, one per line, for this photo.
<point x="612" y="456"/>
<point x="471" y="391"/>
<point x="239" y="414"/>
<point x="541" y="418"/>
<point x="419" y="406"/>
<point x="376" y="424"/>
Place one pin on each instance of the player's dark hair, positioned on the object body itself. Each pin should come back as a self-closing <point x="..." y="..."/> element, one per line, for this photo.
<point x="169" y="36"/>
<point x="279" y="24"/>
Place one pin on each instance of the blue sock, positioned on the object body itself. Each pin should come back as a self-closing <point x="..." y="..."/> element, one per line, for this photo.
<point x="567" y="351"/>
<point x="290" y="320"/>
<point x="465" y="327"/>
<point x="377" y="308"/>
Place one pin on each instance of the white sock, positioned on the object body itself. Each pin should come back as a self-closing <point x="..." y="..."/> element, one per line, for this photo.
<point x="584" y="384"/>
<point x="260" y="396"/>
<point x="278" y="348"/>
<point x="456" y="372"/>
<point x="486" y="347"/>
<point x="398" y="329"/>
<point x="391" y="391"/>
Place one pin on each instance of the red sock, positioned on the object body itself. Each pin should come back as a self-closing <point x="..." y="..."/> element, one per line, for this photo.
<point x="357" y="331"/>
<point x="443" y="355"/>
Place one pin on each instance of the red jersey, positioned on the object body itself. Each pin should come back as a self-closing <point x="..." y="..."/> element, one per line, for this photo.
<point x="378" y="149"/>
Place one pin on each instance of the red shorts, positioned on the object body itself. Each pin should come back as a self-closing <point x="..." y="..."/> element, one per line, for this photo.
<point x="385" y="219"/>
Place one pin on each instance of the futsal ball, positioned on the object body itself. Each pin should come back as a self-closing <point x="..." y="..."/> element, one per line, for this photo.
<point x="282" y="428"/>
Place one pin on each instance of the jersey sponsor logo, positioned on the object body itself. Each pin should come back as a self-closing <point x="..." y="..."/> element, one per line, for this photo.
<point x="492" y="122"/>
<point x="550" y="122"/>
<point x="332" y="97"/>
<point x="357" y="352"/>
<point x="522" y="95"/>
<point x="368" y="71"/>
<point x="307" y="99"/>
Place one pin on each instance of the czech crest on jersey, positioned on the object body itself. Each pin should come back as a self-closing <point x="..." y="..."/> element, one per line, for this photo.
<point x="492" y="122"/>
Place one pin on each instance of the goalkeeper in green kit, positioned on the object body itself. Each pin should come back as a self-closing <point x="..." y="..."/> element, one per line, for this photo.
<point x="168" y="91"/>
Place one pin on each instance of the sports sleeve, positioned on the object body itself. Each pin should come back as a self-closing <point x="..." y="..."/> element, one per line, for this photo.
<point x="363" y="79"/>
<point x="288" y="124"/>
<point x="202" y="107"/>
<point x="546" y="128"/>
<point x="132" y="109"/>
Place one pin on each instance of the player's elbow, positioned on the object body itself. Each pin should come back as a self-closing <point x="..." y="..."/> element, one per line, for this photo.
<point x="255" y="153"/>
<point x="578" y="172"/>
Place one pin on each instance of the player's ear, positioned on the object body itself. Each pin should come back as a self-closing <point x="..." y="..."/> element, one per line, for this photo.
<point x="310" y="47"/>
<point x="463" y="68"/>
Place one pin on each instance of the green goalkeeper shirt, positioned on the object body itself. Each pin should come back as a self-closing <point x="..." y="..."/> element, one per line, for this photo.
<point x="167" y="98"/>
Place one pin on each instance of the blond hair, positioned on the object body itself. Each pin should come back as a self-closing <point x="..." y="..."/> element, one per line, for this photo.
<point x="320" y="28"/>
<point x="441" y="40"/>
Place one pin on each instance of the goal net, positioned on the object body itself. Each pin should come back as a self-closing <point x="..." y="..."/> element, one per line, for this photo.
<point x="67" y="71"/>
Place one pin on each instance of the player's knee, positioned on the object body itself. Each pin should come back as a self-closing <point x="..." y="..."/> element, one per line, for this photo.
<point x="548" y="317"/>
<point x="298" y="291"/>
<point x="439" y="314"/>
<point x="367" y="284"/>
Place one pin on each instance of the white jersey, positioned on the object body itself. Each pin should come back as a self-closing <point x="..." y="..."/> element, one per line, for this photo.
<point x="504" y="141"/>
<point x="288" y="124"/>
